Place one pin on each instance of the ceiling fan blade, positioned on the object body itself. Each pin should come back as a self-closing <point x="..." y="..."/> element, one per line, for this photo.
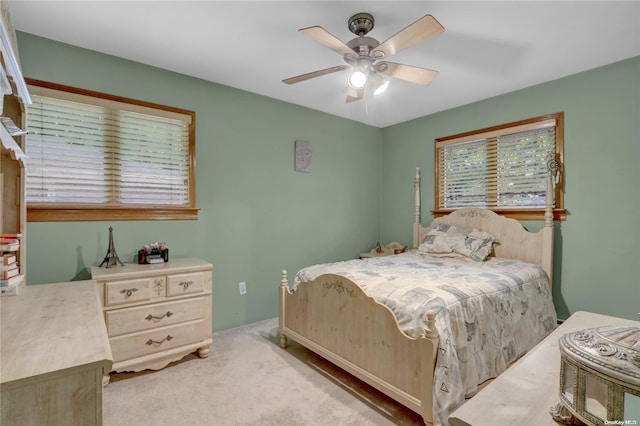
<point x="355" y="95"/>
<point x="314" y="74"/>
<point x="406" y="72"/>
<point x="424" y="28"/>
<point x="327" y="39"/>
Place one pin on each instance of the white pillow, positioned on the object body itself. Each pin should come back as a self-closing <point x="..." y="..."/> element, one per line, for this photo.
<point x="471" y="242"/>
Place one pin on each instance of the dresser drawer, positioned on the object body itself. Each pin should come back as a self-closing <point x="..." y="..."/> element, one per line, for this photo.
<point x="136" y="290"/>
<point x="185" y="284"/>
<point x="156" y="340"/>
<point x="140" y="318"/>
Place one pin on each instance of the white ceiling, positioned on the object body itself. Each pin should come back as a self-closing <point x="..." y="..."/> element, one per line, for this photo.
<point x="487" y="49"/>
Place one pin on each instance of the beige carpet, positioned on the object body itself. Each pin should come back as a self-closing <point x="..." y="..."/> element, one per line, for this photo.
<point x="249" y="380"/>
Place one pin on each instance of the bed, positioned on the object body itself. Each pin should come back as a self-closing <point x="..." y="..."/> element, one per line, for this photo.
<point x="426" y="327"/>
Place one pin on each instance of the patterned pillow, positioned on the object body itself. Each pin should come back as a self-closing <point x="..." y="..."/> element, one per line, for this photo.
<point x="471" y="242"/>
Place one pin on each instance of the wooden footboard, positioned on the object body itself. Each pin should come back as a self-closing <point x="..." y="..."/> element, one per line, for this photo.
<point x="360" y="335"/>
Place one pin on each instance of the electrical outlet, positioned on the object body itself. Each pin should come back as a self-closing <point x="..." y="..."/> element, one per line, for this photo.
<point x="243" y="287"/>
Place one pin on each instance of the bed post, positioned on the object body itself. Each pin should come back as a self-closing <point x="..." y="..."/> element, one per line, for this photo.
<point x="429" y="354"/>
<point x="416" y="221"/>
<point x="284" y="288"/>
<point x="547" y="245"/>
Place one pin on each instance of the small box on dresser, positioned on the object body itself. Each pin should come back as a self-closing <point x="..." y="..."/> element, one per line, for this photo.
<point x="156" y="313"/>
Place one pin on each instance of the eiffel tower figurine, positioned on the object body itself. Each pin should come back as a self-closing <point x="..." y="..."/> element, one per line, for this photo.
<point x="111" y="258"/>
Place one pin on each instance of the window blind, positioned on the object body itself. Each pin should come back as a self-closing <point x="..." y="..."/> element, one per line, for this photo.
<point x="106" y="153"/>
<point x="501" y="171"/>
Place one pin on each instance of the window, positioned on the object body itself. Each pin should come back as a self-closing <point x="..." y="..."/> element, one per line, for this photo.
<point x="503" y="168"/>
<point x="94" y="156"/>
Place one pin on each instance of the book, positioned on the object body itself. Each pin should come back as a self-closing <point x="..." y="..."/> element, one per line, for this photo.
<point x="11" y="235"/>
<point x="13" y="245"/>
<point x="7" y="259"/>
<point x="16" y="279"/>
<point x="5" y="274"/>
<point x="12" y="265"/>
<point x="11" y="127"/>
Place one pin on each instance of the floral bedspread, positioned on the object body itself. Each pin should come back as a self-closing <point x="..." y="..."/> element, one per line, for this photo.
<point x="487" y="313"/>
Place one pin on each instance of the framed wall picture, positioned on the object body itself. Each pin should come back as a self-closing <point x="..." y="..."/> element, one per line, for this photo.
<point x="303" y="156"/>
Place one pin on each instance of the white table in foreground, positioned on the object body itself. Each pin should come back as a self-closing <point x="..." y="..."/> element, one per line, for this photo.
<point x="524" y="393"/>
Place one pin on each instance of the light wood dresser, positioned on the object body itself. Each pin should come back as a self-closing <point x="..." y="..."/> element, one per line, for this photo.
<point x="54" y="352"/>
<point x="156" y="313"/>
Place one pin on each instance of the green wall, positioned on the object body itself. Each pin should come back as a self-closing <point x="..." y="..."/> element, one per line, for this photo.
<point x="596" y="248"/>
<point x="258" y="216"/>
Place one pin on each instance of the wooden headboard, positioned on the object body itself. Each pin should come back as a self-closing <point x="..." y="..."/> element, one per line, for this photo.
<point x="515" y="242"/>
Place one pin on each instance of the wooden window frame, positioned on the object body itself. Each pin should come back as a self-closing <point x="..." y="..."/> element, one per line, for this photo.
<point x="559" y="212"/>
<point x="68" y="212"/>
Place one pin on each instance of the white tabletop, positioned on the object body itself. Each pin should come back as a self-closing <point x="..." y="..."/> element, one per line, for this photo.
<point x="524" y="393"/>
<point x="52" y="327"/>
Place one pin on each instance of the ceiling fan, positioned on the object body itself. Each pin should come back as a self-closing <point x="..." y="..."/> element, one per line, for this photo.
<point x="364" y="55"/>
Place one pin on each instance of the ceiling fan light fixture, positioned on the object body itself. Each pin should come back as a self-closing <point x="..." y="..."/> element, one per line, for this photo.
<point x="380" y="84"/>
<point x="358" y="79"/>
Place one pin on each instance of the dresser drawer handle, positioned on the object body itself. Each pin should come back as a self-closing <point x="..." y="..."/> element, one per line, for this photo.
<point x="150" y="317"/>
<point x="185" y="284"/>
<point x="151" y="341"/>
<point x="128" y="291"/>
